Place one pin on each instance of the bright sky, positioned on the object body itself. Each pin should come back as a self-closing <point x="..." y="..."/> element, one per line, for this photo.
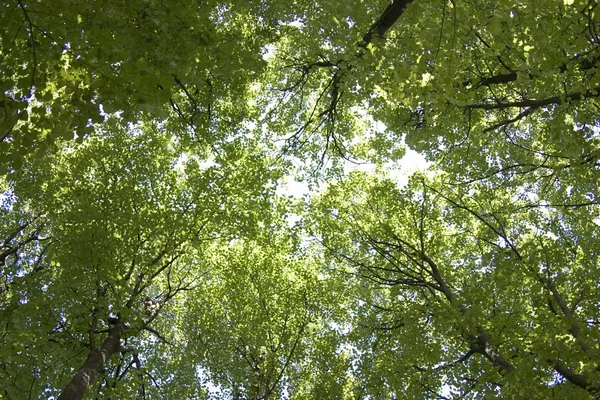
<point x="399" y="171"/>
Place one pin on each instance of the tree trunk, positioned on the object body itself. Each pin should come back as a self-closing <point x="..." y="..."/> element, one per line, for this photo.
<point x="93" y="365"/>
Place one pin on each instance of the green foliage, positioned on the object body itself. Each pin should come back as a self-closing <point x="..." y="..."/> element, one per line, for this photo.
<point x="470" y="292"/>
<point x="144" y="148"/>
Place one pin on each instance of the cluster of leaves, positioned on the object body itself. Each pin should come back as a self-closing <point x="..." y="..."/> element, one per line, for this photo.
<point x="121" y="226"/>
<point x="149" y="251"/>
<point x="66" y="66"/>
<point x="467" y="291"/>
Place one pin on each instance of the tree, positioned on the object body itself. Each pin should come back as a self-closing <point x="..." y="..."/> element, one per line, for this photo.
<point x="253" y="340"/>
<point x="147" y="248"/>
<point x="476" y="293"/>
<point x="130" y="230"/>
<point x="440" y="75"/>
<point x="68" y="65"/>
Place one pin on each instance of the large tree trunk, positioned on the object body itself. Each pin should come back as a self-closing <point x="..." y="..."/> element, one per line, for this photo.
<point x="93" y="365"/>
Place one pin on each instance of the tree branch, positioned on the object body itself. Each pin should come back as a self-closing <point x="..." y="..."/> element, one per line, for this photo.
<point x="386" y="20"/>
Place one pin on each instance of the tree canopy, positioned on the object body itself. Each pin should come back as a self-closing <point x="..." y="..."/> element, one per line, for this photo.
<point x="151" y="245"/>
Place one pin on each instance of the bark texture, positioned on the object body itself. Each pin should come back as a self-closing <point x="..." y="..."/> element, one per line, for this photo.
<point x="93" y="365"/>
